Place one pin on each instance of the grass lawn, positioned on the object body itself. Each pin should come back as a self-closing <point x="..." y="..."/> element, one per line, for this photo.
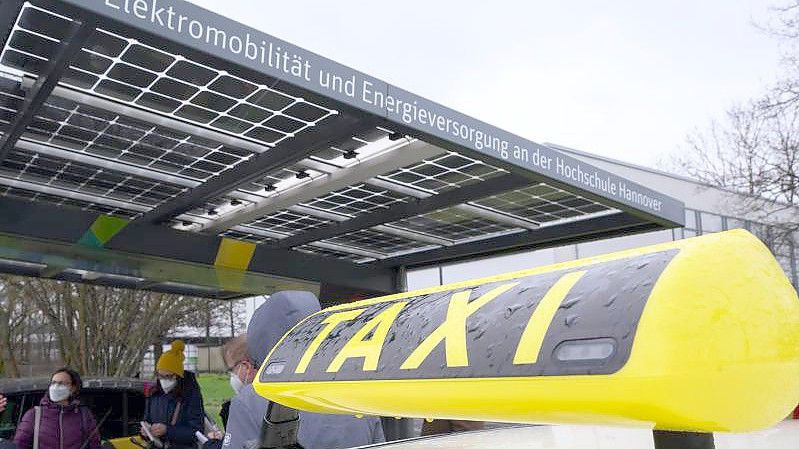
<point x="216" y="390"/>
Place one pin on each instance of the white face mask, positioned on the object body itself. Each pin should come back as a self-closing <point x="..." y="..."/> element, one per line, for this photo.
<point x="236" y="383"/>
<point x="167" y="384"/>
<point x="59" y="393"/>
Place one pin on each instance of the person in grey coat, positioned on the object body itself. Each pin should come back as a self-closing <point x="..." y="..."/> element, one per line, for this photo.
<point x="271" y="320"/>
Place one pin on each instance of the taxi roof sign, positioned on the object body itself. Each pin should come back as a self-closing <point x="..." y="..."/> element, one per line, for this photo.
<point x="174" y="118"/>
<point x="694" y="335"/>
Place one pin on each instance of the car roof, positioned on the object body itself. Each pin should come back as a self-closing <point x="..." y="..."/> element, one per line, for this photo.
<point x="543" y="436"/>
<point x="782" y="436"/>
<point x="29" y="384"/>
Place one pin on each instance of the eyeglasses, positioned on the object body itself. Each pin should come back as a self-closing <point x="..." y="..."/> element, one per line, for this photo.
<point x="232" y="369"/>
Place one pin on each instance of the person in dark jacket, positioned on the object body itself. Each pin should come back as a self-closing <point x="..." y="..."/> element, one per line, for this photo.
<point x="63" y="422"/>
<point x="174" y="409"/>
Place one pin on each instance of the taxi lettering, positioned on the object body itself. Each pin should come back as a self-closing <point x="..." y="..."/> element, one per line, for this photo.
<point x="571" y="321"/>
<point x="452" y="332"/>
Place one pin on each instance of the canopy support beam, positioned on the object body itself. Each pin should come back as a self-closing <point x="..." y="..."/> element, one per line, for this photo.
<point x="76" y="36"/>
<point x="405" y="210"/>
<point x="404" y="154"/>
<point x="284" y="154"/>
<point x="603" y="226"/>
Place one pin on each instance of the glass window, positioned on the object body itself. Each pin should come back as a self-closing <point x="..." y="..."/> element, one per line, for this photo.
<point x="711" y="223"/>
<point x="690" y="219"/>
<point x="422" y="278"/>
<point x="735" y="223"/>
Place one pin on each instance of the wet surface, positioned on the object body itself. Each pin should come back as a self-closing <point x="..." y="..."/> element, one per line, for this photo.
<point x="487" y="322"/>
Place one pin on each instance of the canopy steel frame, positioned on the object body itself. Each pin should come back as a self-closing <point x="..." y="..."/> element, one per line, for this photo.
<point x="285" y="153"/>
<point x="367" y="171"/>
<point x="332" y="216"/>
<point x="66" y="226"/>
<point x="77" y="34"/>
<point x="603" y="226"/>
<point x="499" y="147"/>
<point x="466" y="207"/>
<point x="405" y="210"/>
<point x="416" y="193"/>
<point x="339" y="179"/>
<point x="356" y="119"/>
<point x="325" y="245"/>
<point x="79" y="196"/>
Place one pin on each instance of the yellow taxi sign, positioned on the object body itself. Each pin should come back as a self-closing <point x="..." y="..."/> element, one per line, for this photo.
<point x="699" y="334"/>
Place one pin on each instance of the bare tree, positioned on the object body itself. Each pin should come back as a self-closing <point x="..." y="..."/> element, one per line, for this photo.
<point x="12" y="315"/>
<point x="754" y="149"/>
<point x="99" y="330"/>
<point x="754" y="152"/>
<point x="783" y="24"/>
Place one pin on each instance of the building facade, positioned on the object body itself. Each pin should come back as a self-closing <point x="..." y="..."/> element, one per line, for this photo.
<point x="708" y="209"/>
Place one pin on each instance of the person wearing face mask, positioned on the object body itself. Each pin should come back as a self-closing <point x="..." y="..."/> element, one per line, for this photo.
<point x="174" y="409"/>
<point x="59" y="421"/>
<point x="270" y="321"/>
<point x="241" y="371"/>
<point x="241" y="368"/>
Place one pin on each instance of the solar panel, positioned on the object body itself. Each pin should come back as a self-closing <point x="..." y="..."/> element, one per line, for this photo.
<point x="312" y="249"/>
<point x="139" y="120"/>
<point x="542" y="203"/>
<point x="93" y="180"/>
<point x="89" y="130"/>
<point x="57" y="200"/>
<point x="453" y="224"/>
<point x="356" y="200"/>
<point x="378" y="242"/>
<point x="131" y="71"/>
<point x="11" y="99"/>
<point x="239" y="234"/>
<point x="445" y="172"/>
<point x="288" y="222"/>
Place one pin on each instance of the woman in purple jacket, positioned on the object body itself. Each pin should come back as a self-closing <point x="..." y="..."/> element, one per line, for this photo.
<point x="63" y="422"/>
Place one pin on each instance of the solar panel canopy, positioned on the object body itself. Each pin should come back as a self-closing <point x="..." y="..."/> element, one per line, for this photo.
<point x="153" y="144"/>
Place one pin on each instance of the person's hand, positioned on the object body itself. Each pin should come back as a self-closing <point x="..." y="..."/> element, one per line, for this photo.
<point x="215" y="435"/>
<point x="158" y="430"/>
<point x="3" y="403"/>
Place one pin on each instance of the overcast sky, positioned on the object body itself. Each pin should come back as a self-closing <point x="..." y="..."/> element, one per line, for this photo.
<point x="623" y="79"/>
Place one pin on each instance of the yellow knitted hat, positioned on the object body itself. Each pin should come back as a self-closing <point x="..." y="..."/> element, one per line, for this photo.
<point x="172" y="360"/>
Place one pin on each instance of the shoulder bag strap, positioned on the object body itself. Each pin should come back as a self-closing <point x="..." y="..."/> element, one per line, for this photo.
<point x="176" y="413"/>
<point x="83" y="412"/>
<point x="37" y="422"/>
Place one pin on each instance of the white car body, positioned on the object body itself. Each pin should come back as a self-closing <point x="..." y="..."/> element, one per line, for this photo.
<point x="784" y="435"/>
